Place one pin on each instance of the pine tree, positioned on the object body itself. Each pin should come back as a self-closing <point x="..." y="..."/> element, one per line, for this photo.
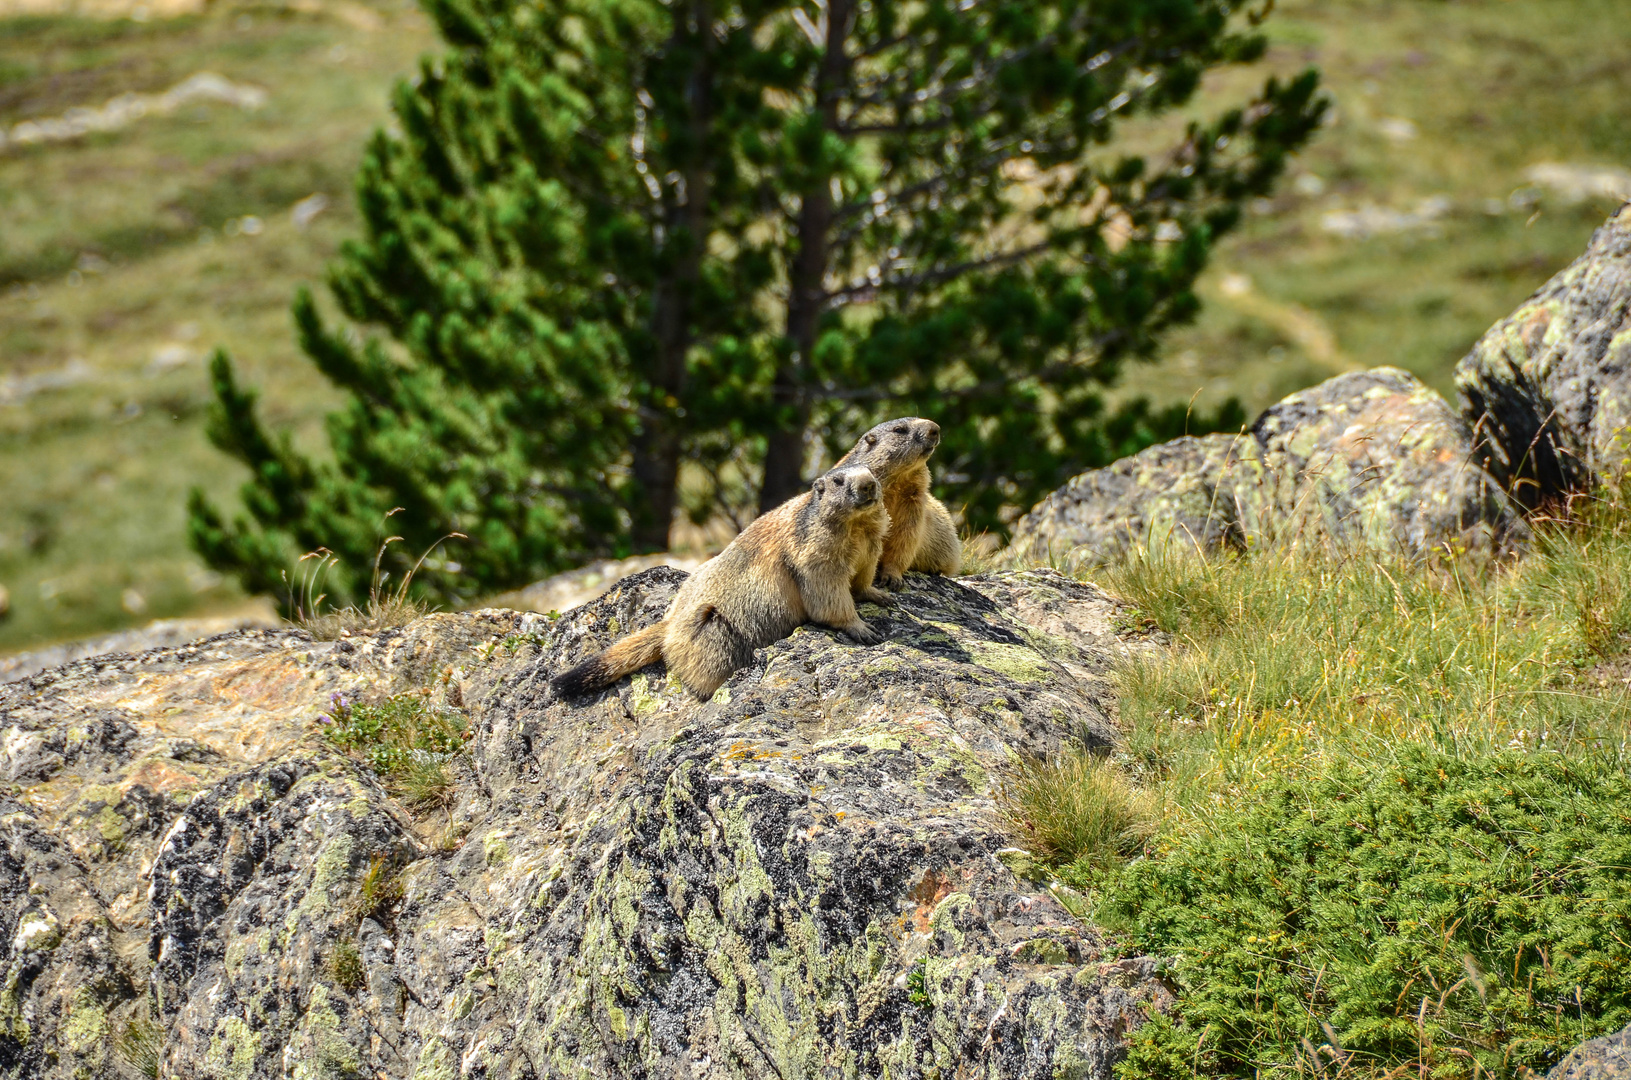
<point x="613" y="237"/>
<point x="534" y="250"/>
<point x="960" y="245"/>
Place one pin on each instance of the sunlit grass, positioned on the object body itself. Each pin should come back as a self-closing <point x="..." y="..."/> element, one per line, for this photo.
<point x="1375" y="808"/>
<point x="1290" y="658"/>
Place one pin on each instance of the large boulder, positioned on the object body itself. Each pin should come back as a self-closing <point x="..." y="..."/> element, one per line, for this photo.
<point x="1548" y="389"/>
<point x="806" y="875"/>
<point x="1607" y="1058"/>
<point x="1370" y="459"/>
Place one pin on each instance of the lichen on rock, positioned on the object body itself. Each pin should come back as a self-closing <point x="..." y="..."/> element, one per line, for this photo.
<point x="1370" y="459"/>
<point x="1548" y="388"/>
<point x="804" y="875"/>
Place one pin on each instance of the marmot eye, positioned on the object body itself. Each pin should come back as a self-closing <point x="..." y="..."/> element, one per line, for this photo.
<point x="900" y="429"/>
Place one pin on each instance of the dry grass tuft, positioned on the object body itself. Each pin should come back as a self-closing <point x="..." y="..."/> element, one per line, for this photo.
<point x="1079" y="809"/>
<point x="385" y="607"/>
<point x="345" y="965"/>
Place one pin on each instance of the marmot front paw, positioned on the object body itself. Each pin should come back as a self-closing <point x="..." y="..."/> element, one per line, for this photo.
<point x="893" y="580"/>
<point x="863" y="633"/>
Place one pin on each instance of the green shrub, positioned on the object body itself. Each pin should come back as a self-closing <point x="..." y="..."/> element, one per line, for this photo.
<point x="1457" y="916"/>
<point x="406" y="739"/>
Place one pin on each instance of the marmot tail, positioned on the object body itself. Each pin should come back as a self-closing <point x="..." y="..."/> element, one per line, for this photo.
<point x="598" y="672"/>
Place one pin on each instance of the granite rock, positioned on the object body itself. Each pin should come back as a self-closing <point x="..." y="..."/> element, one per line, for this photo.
<point x="1607" y="1058"/>
<point x="806" y="875"/>
<point x="1548" y="388"/>
<point x="1371" y="459"/>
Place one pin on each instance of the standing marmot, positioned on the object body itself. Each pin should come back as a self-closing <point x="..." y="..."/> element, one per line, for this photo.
<point x="921" y="535"/>
<point x="799" y="563"/>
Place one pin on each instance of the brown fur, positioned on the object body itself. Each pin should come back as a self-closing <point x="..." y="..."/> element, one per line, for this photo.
<point x="805" y="561"/>
<point x="921" y="534"/>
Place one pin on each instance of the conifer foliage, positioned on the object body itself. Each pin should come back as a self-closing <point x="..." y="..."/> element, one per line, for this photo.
<point x="613" y="237"/>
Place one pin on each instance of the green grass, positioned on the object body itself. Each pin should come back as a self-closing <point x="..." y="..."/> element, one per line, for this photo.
<point x="1079" y="809"/>
<point x="116" y="253"/>
<point x="1381" y="807"/>
<point x="408" y="740"/>
<point x="94" y="474"/>
<point x="1292" y="657"/>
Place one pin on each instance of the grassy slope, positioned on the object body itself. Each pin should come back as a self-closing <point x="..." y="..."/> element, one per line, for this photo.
<point x="1492" y="88"/>
<point x="92" y="477"/>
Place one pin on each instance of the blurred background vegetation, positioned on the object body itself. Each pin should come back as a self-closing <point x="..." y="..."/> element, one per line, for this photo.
<point x="1472" y="148"/>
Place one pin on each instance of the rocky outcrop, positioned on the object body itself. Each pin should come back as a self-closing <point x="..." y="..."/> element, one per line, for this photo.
<point x="1372" y="459"/>
<point x="805" y="875"/>
<point x="1548" y="389"/>
<point x="156" y="634"/>
<point x="1607" y="1058"/>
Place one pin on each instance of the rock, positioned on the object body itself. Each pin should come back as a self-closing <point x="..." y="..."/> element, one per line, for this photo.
<point x="1548" y="388"/>
<point x="156" y="634"/>
<point x="805" y="875"/>
<point x="1607" y="1058"/>
<point x="1178" y="489"/>
<point x="1371" y="459"/>
<point x="1368" y="459"/>
<point x="574" y="588"/>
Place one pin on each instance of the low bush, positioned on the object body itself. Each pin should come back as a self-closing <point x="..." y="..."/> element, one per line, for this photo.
<point x="1435" y="915"/>
<point x="408" y="740"/>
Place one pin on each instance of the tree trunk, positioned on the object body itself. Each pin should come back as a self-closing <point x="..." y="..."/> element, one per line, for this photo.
<point x="806" y="294"/>
<point x="658" y="446"/>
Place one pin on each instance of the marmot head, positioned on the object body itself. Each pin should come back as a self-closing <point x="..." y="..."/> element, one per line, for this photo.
<point x="845" y="490"/>
<point x="895" y="445"/>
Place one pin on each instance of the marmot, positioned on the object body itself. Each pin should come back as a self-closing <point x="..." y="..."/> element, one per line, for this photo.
<point x="921" y="534"/>
<point x="799" y="563"/>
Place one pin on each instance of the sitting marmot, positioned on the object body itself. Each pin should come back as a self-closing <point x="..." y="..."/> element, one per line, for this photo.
<point x="799" y="563"/>
<point x="921" y="534"/>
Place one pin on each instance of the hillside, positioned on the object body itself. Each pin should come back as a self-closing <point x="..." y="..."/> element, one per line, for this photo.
<point x="1414" y="222"/>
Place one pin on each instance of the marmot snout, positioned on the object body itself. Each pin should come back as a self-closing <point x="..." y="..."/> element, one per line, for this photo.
<point x="921" y="534"/>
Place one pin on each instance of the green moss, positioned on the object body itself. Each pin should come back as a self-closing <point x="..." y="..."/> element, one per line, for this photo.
<point x="111" y="825"/>
<point x="495" y="849"/>
<point x="1013" y="661"/>
<point x="233" y="1050"/>
<point x="644" y="698"/>
<point x="436" y="1062"/>
<point x="327" y="1056"/>
<point x="11" y="1006"/>
<point x="331" y="873"/>
<point x="619" y="1021"/>
<point x="85" y="1031"/>
<point x="944" y="918"/>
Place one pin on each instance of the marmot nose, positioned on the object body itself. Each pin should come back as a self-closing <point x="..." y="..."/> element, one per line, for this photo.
<point x="931" y="433"/>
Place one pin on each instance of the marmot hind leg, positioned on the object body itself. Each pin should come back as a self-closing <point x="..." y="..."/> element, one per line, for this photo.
<point x="704" y="650"/>
<point x="939" y="549"/>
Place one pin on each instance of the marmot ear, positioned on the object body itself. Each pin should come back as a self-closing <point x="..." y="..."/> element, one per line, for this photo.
<point x="870" y="439"/>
